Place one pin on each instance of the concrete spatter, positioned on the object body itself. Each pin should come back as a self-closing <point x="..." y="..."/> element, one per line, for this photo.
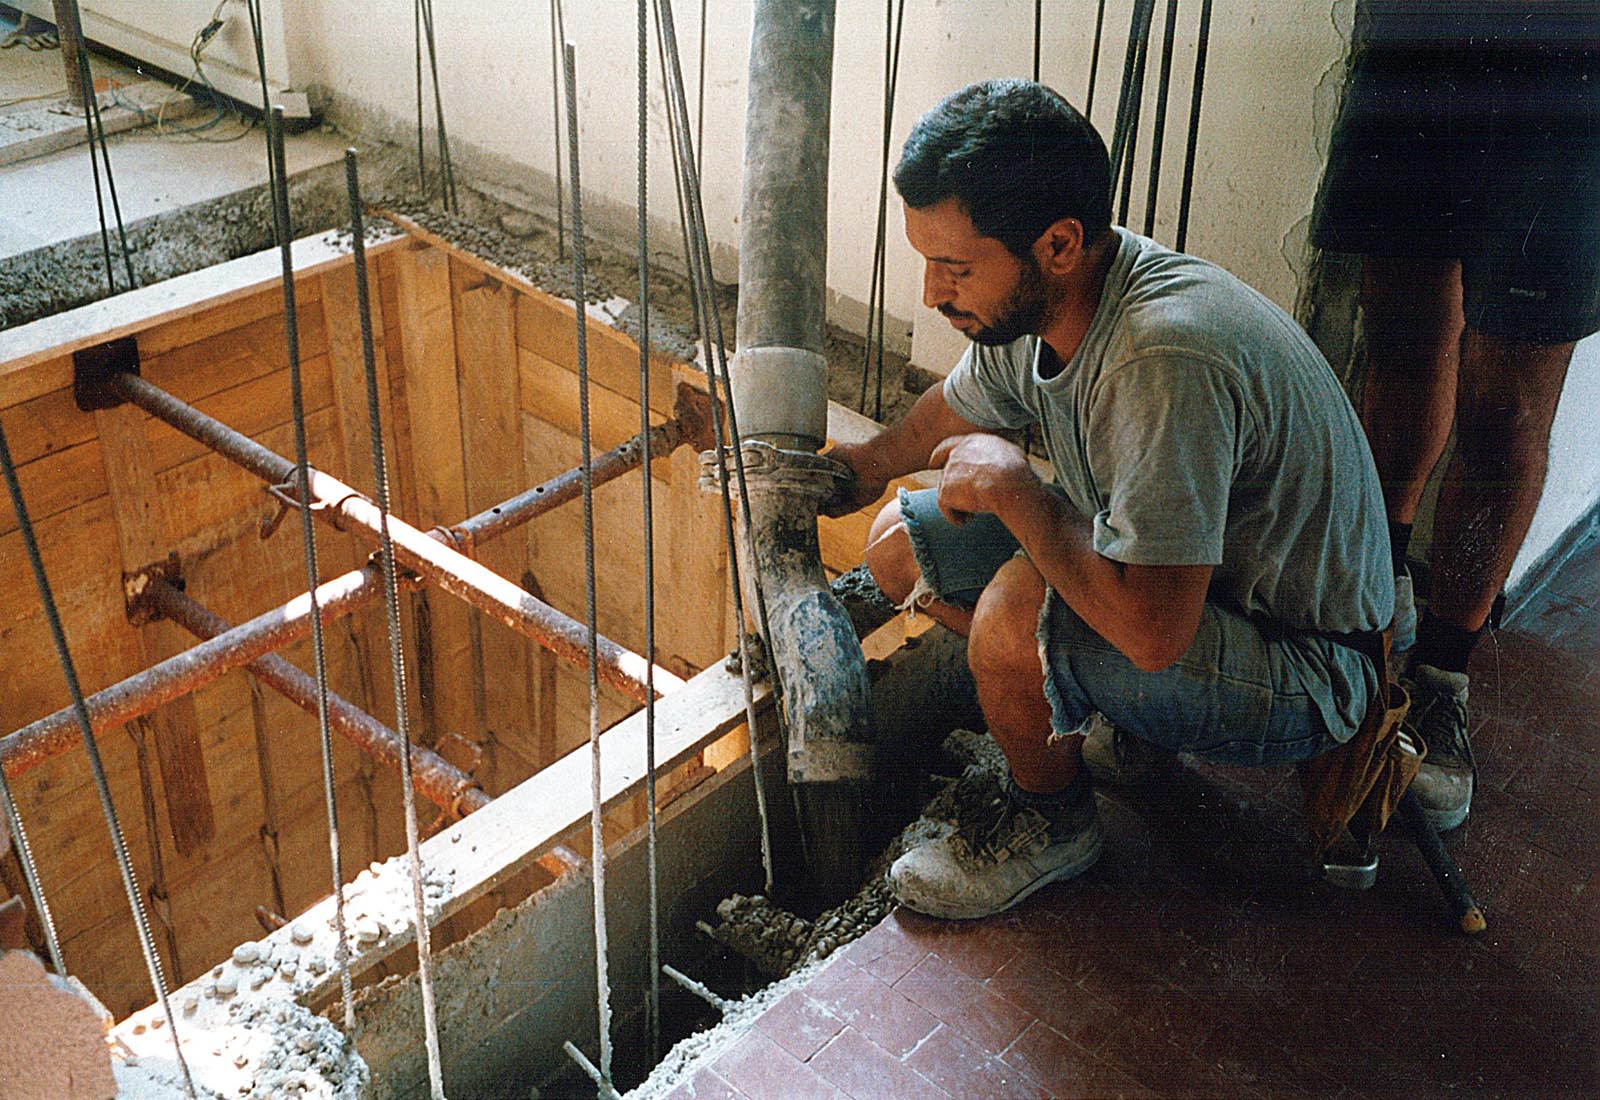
<point x="260" y="1051"/>
<point x="793" y="949"/>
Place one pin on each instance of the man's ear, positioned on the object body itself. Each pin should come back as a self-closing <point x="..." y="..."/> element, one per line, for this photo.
<point x="1060" y="246"/>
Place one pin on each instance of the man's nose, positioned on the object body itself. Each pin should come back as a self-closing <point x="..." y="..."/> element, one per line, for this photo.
<point x="937" y="289"/>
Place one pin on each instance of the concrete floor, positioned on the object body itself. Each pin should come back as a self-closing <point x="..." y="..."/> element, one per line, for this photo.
<point x="49" y="199"/>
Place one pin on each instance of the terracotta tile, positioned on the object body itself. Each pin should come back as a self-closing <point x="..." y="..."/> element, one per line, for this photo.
<point x="705" y="1085"/>
<point x="1067" y="1069"/>
<point x="874" y="1009"/>
<point x="967" y="1071"/>
<point x="1167" y="1071"/>
<point x="760" y="1068"/>
<point x="886" y="952"/>
<point x="963" y="1003"/>
<point x="1065" y="1006"/>
<point x="866" y="1071"/>
<point x="799" y="1025"/>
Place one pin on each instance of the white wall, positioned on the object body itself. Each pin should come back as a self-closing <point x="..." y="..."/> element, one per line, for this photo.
<point x="1272" y="83"/>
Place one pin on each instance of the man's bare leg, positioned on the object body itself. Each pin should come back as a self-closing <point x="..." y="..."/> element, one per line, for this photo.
<point x="894" y="568"/>
<point x="1413" y="324"/>
<point x="1003" y="652"/>
<point x="1506" y="400"/>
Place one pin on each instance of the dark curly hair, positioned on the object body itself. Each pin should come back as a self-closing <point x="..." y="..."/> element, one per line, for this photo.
<point x="1017" y="155"/>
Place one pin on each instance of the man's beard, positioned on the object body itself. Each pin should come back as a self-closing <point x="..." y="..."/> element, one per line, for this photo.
<point x="1023" y="313"/>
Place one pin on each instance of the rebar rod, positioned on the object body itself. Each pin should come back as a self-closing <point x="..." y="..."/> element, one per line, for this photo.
<point x="282" y="626"/>
<point x="1094" y="57"/>
<point x="102" y="785"/>
<point x="432" y="776"/>
<point x="256" y="35"/>
<point x="308" y="543"/>
<point x="647" y="508"/>
<point x="1158" y="129"/>
<point x="585" y="441"/>
<point x="699" y="989"/>
<point x="1038" y="29"/>
<point x="716" y="368"/>
<point x="30" y="875"/>
<point x="1196" y="95"/>
<point x="606" y="1090"/>
<point x="391" y="607"/>
<point x="422" y="553"/>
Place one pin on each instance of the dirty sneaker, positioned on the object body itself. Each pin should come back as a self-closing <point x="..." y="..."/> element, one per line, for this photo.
<point x="1116" y="758"/>
<point x="1439" y="715"/>
<point x="989" y="865"/>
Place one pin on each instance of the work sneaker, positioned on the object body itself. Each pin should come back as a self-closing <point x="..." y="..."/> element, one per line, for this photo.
<point x="989" y="865"/>
<point x="1116" y="758"/>
<point x="1403" y="633"/>
<point x="1439" y="716"/>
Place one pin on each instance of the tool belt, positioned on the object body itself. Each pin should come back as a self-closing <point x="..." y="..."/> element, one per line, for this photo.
<point x="1357" y="785"/>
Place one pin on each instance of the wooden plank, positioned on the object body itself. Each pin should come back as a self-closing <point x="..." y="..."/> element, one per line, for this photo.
<point x="139" y="512"/>
<point x="550" y="392"/>
<point x="484" y="850"/>
<point x="438" y="473"/>
<point x="36" y="358"/>
<point x="547" y="327"/>
<point x="491" y="433"/>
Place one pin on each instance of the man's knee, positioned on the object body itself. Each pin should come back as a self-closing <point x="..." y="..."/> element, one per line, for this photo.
<point x="889" y="555"/>
<point x="1004" y="638"/>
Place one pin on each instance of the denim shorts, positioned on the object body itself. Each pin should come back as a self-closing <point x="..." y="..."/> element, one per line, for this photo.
<point x="1233" y="698"/>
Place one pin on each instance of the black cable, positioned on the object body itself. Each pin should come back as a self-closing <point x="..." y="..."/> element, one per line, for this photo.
<point x="1197" y="93"/>
<point x="1159" y="129"/>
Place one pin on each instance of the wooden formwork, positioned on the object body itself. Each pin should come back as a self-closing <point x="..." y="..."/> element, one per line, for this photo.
<point x="478" y="371"/>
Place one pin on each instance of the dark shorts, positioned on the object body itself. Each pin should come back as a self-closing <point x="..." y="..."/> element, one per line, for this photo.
<point x="1471" y="131"/>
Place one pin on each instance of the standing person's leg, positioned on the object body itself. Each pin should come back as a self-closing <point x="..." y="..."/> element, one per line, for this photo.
<point x="1506" y="401"/>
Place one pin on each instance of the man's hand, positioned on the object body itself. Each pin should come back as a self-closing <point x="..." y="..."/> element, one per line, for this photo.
<point x="867" y="485"/>
<point x="982" y="473"/>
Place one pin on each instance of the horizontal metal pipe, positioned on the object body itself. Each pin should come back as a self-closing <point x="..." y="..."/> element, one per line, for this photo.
<point x="283" y="626"/>
<point x="423" y="553"/>
<point x="188" y="671"/>
<point x="565" y="486"/>
<point x="434" y="777"/>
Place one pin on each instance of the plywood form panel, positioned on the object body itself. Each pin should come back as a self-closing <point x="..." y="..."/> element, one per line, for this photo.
<point x="139" y="511"/>
<point x="491" y="432"/>
<point x="547" y="327"/>
<point x="438" y="469"/>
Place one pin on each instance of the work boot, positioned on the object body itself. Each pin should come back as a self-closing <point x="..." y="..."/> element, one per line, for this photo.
<point x="988" y="866"/>
<point x="1439" y="717"/>
<point x="1403" y="634"/>
<point x="1116" y="758"/>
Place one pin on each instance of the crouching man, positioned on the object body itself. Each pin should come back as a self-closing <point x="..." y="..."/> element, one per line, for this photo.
<point x="1212" y="549"/>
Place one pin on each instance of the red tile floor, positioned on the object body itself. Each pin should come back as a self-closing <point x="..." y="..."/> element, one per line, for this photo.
<point x="1198" y="960"/>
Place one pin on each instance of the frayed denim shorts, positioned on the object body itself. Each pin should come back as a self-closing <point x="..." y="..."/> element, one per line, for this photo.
<point x="1235" y="697"/>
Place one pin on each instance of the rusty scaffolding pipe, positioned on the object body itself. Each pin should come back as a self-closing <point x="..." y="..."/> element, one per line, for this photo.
<point x="435" y="778"/>
<point x="199" y="665"/>
<point x="425" y="554"/>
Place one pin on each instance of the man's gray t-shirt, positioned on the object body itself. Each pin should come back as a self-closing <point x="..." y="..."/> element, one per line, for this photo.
<point x="1197" y="424"/>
